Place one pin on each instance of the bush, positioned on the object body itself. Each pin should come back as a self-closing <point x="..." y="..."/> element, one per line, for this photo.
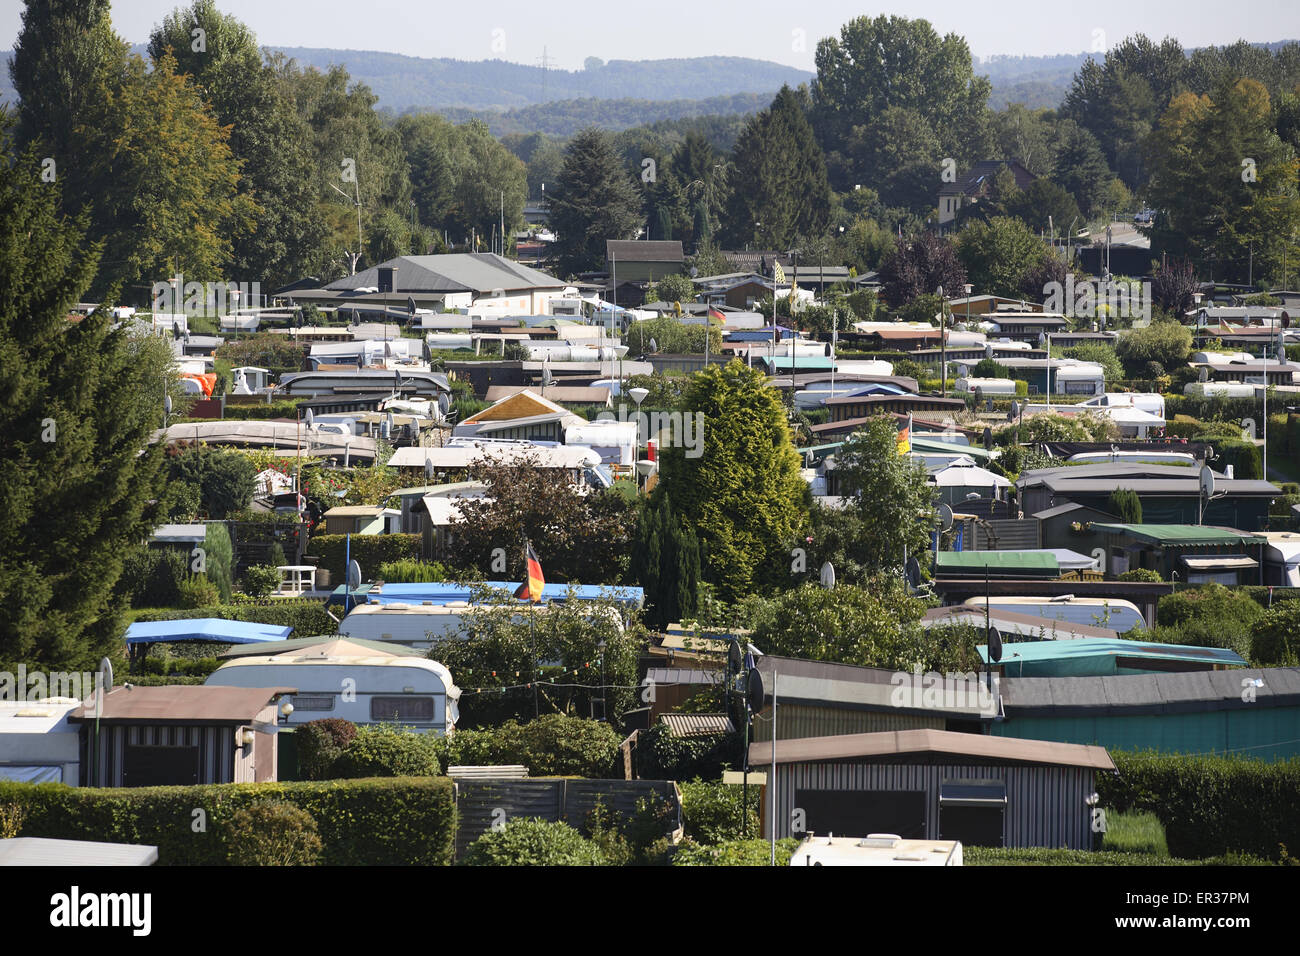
<point x="1210" y="806"/>
<point x="1141" y="574"/>
<point x="533" y="842"/>
<point x="368" y="550"/>
<point x="712" y="812"/>
<point x="1124" y="504"/>
<point x="551" y="746"/>
<point x="151" y="577"/>
<point x="260" y="580"/>
<point x="382" y="750"/>
<point x="1210" y="616"/>
<point x="392" y="821"/>
<point x="273" y="833"/>
<point x="320" y="744"/>
<point x="661" y="756"/>
<point x="736" y="853"/>
<point x="407" y="571"/>
<point x="195" y="590"/>
<point x="1243" y="456"/>
<point x="1275" y="637"/>
<point x="219" y="559"/>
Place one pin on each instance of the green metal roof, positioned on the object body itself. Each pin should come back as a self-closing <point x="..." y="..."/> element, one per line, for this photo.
<point x="1180" y="534"/>
<point x="921" y="443"/>
<point x="1036" y="563"/>
<point x="1087" y="648"/>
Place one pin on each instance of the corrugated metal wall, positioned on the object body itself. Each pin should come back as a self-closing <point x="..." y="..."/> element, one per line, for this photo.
<point x="1266" y="733"/>
<point x="1045" y="805"/>
<point x="480" y="803"/>
<point x="806" y="720"/>
<point x="216" y="749"/>
<point x="1005" y="535"/>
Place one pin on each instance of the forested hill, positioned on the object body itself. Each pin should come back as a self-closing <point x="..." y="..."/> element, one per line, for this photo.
<point x="564" y="118"/>
<point x="405" y="82"/>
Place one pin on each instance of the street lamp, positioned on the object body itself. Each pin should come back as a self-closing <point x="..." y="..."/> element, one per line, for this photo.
<point x="943" y="344"/>
<point x="638" y="396"/>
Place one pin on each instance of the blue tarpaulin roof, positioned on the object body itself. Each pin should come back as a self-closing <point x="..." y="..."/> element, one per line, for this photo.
<point x="446" y="591"/>
<point x="204" y="629"/>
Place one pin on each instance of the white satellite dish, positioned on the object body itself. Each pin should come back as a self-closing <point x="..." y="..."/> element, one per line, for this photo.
<point x="354" y="575"/>
<point x="945" y="517"/>
<point x="828" y="575"/>
<point x="1207" y="482"/>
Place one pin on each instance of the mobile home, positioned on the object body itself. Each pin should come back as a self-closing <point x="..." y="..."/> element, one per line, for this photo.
<point x="1116" y="614"/>
<point x="421" y="626"/>
<point x="340" y="679"/>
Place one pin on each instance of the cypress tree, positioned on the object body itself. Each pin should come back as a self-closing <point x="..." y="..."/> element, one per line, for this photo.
<point x="79" y="402"/>
<point x="1125" y="505"/>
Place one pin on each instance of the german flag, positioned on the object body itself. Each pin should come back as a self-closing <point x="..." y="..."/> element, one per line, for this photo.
<point x="905" y="436"/>
<point x="717" y="316"/>
<point x="531" y="589"/>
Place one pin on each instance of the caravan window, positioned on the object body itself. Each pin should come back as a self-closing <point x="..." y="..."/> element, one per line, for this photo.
<point x="313" y="702"/>
<point x="404" y="707"/>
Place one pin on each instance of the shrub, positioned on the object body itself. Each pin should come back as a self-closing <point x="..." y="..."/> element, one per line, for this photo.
<point x="533" y="842"/>
<point x="382" y="750"/>
<point x="391" y="821"/>
<point x="1125" y="505"/>
<point x="408" y="571"/>
<point x="11" y="820"/>
<point x="219" y="558"/>
<point x="320" y="744"/>
<point x="712" y="812"/>
<point x="1210" y="806"/>
<point x="555" y="745"/>
<point x="196" y="590"/>
<point x="636" y="840"/>
<point x="1141" y="574"/>
<point x="273" y="833"/>
<point x="1275" y="637"/>
<point x="1210" y="616"/>
<point x="260" y="580"/>
<point x="661" y="756"/>
<point x="1243" y="456"/>
<point x="735" y="853"/>
<point x="151" y="577"/>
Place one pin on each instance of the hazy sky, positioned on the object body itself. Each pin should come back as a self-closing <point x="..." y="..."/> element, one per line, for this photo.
<point x="571" y="30"/>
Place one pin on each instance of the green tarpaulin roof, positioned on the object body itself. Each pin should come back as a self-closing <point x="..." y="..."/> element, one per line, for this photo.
<point x="998" y="562"/>
<point x="1179" y="534"/>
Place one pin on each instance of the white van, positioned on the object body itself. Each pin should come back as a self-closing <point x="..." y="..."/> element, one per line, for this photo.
<point x="410" y="691"/>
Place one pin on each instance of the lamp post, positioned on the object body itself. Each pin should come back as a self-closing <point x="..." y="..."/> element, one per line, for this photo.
<point x="638" y="396"/>
<point x="601" y="648"/>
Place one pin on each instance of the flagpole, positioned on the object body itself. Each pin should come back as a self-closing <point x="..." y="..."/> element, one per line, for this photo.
<point x="532" y="644"/>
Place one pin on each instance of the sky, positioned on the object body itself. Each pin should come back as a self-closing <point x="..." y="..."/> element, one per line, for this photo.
<point x="569" y="31"/>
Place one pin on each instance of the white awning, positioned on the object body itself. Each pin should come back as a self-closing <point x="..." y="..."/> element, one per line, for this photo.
<point x="1220" y="562"/>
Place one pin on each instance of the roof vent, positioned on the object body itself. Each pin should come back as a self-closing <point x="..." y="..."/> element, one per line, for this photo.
<point x="881" y="839"/>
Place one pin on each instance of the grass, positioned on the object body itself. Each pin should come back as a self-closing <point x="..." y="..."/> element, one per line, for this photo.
<point x="1135" y="833"/>
<point x="1039" y="856"/>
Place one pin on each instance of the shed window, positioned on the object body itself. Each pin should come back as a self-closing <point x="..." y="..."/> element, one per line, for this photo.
<point x="972" y="811"/>
<point x="404" y="707"/>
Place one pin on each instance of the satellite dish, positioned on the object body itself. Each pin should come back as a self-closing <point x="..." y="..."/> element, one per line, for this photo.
<point x="734" y="655"/>
<point x="1286" y="319"/>
<point x="979" y="394"/>
<point x="754" y="690"/>
<point x="167" y="404"/>
<point x="1014" y="413"/>
<point x="354" y="575"/>
<point x="995" y="646"/>
<point x="428" y="468"/>
<point x="106" y="668"/>
<point x="1207" y="482"/>
<point x="945" y="517"/>
<point x="828" y="575"/>
<point x="355" y="317"/>
<point x="1203" y="374"/>
<point x="654" y="346"/>
<point x="988" y="438"/>
<point x="444" y="403"/>
<point x="410" y="305"/>
<point x="912" y="573"/>
<point x="309" y="418"/>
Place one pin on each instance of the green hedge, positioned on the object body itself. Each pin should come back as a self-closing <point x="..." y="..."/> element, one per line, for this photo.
<point x="735" y="853"/>
<point x="661" y="756"/>
<point x="1210" y="806"/>
<point x="368" y="550"/>
<point x="388" y="821"/>
<point x="1041" y="856"/>
<point x="551" y="746"/>
<point x="307" y="617"/>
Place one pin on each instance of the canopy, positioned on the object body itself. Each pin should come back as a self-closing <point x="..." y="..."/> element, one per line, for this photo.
<point x="957" y="475"/>
<point x="212" y="629"/>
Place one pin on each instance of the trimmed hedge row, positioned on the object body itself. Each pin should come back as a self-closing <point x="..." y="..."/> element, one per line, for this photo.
<point x="735" y="853"/>
<point x="372" y="822"/>
<point x="368" y="550"/>
<point x="1041" y="856"/>
<point x="308" y="618"/>
<point x="1210" y="806"/>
